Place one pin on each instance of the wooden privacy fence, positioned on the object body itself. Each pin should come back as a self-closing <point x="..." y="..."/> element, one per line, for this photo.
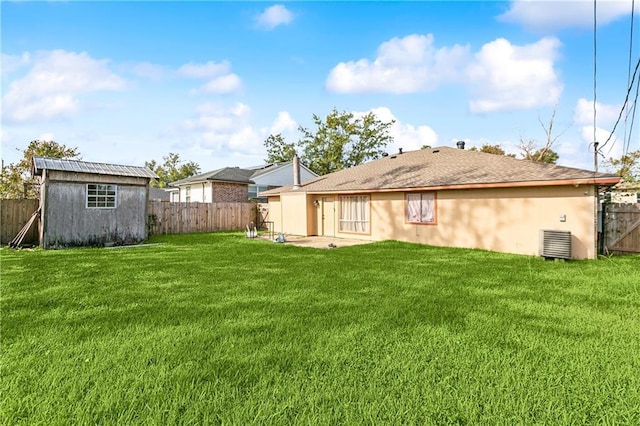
<point x="166" y="217"/>
<point x="14" y="214"/>
<point x="622" y="228"/>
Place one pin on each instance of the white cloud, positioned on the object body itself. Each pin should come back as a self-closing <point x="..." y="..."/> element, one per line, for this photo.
<point x="208" y="70"/>
<point x="12" y="63"/>
<point x="221" y="79"/>
<point x="402" y="65"/>
<point x="406" y="136"/>
<point x="606" y="114"/>
<point x="54" y="84"/>
<point x="501" y="76"/>
<point x="224" y="128"/>
<point x="229" y="83"/>
<point x="505" y="76"/>
<point x="150" y="71"/>
<point x="274" y="16"/>
<point x="543" y="16"/>
<point x="284" y="123"/>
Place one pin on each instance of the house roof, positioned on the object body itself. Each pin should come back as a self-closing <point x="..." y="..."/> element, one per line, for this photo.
<point x="270" y="168"/>
<point x="158" y="194"/>
<point x="67" y="165"/>
<point x="236" y="174"/>
<point x="226" y="174"/>
<point x="445" y="168"/>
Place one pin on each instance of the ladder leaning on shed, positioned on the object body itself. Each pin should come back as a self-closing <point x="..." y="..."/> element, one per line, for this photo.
<point x="17" y="240"/>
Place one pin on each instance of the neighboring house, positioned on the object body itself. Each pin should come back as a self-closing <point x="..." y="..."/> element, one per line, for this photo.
<point x="234" y="184"/>
<point x="91" y="204"/>
<point x="227" y="185"/>
<point x="447" y="197"/>
<point x="275" y="175"/>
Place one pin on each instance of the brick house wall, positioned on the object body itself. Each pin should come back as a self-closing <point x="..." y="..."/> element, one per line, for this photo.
<point x="224" y="192"/>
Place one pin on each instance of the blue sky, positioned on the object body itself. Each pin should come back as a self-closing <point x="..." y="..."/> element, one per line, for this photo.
<point x="128" y="82"/>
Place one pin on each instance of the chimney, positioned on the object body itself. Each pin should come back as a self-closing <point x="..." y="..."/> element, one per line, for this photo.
<point x="296" y="172"/>
<point x="460" y="144"/>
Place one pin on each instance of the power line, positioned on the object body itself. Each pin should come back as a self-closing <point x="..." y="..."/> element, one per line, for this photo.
<point x="632" y="111"/>
<point x="595" y="66"/>
<point x="624" y="104"/>
<point x="595" y="73"/>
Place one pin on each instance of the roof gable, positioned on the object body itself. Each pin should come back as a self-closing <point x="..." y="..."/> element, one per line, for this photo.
<point x="273" y="168"/>
<point x="77" y="166"/>
<point x="442" y="167"/>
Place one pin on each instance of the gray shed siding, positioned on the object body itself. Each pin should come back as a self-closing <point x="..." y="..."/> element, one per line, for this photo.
<point x="66" y="220"/>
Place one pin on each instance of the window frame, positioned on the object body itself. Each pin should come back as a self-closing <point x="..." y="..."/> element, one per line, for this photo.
<point x="366" y="223"/>
<point x="106" y="200"/>
<point x="432" y="195"/>
<point x="187" y="194"/>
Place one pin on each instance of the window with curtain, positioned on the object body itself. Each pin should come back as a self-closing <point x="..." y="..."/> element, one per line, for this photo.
<point x="354" y="214"/>
<point x="421" y="208"/>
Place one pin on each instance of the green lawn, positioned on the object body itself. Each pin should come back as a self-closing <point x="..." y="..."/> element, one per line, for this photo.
<point x="220" y="329"/>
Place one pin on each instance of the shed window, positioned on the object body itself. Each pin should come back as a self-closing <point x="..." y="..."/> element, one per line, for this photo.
<point x="421" y="208"/>
<point x="354" y="214"/>
<point x="101" y="196"/>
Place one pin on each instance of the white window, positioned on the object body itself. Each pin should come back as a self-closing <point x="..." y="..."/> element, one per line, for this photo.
<point x="187" y="194"/>
<point x="101" y="196"/>
<point x="421" y="208"/>
<point x="354" y="214"/>
<point x="254" y="190"/>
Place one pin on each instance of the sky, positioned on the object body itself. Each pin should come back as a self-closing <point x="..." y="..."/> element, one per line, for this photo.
<point x="131" y="81"/>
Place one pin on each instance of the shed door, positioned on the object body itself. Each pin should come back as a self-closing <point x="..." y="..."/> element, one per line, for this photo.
<point x="328" y="217"/>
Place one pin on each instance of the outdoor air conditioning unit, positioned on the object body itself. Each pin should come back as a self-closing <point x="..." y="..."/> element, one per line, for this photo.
<point x="555" y="244"/>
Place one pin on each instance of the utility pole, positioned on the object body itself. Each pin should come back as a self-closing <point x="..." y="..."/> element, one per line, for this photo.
<point x="595" y="155"/>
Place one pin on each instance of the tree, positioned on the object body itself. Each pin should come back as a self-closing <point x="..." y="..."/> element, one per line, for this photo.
<point x="492" y="149"/>
<point x="171" y="170"/>
<point x="529" y="150"/>
<point x="340" y="140"/>
<point x="17" y="180"/>
<point x="628" y="167"/>
<point x="278" y="150"/>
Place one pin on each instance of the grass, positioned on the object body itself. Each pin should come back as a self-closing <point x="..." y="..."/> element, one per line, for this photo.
<point x="219" y="329"/>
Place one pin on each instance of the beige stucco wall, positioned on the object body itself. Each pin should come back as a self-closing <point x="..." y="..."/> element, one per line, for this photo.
<point x="501" y="219"/>
<point x="505" y="220"/>
<point x="274" y="213"/>
<point x="294" y="214"/>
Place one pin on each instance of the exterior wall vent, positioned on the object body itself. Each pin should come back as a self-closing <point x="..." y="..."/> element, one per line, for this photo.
<point x="555" y="244"/>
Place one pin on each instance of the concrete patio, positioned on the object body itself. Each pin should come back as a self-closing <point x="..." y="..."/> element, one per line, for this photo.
<point x="319" y="242"/>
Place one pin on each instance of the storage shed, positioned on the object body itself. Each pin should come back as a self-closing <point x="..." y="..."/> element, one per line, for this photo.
<point x="91" y="204"/>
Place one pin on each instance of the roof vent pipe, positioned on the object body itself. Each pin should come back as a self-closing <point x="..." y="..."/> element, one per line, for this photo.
<point x="399" y="150"/>
<point x="460" y="144"/>
<point x="296" y="172"/>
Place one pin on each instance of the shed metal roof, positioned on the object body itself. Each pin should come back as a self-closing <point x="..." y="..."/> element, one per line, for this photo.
<point x="77" y="166"/>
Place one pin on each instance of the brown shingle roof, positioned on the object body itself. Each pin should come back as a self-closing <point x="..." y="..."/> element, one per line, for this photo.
<point x="445" y="167"/>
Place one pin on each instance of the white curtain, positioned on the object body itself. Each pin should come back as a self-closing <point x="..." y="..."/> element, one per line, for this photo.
<point x="421" y="207"/>
<point x="354" y="213"/>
